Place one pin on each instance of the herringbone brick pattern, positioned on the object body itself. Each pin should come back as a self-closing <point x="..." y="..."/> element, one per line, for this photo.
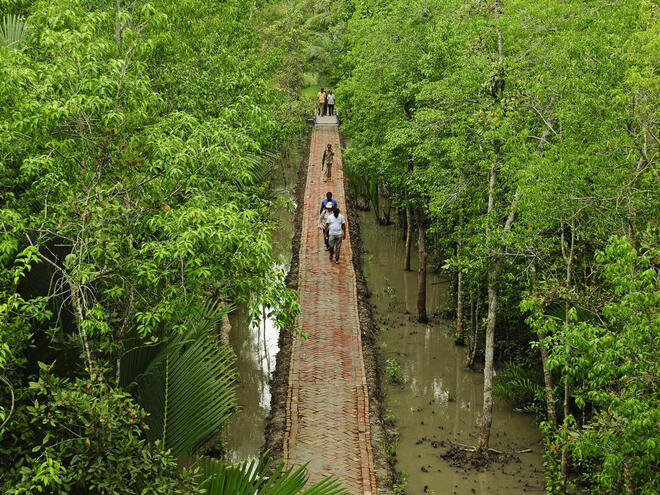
<point x="328" y="401"/>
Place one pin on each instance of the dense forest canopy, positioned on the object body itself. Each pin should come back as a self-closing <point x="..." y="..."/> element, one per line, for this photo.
<point x="521" y="139"/>
<point x="136" y="141"/>
<point x="517" y="143"/>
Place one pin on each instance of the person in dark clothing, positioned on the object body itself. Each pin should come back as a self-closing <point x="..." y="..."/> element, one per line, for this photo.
<point x="328" y="198"/>
<point x="326" y="163"/>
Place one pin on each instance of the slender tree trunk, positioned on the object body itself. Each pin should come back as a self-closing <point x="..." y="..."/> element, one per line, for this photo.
<point x="487" y="412"/>
<point x="459" y="282"/>
<point x="406" y="259"/>
<point x="225" y="329"/>
<point x="381" y="204"/>
<point x="474" y="313"/>
<point x="568" y="260"/>
<point x="547" y="375"/>
<point x="421" y="272"/>
<point x="78" y="311"/>
<point x="547" y="380"/>
<point x="118" y="26"/>
<point x="493" y="275"/>
<point x="460" y="328"/>
<point x="493" y="270"/>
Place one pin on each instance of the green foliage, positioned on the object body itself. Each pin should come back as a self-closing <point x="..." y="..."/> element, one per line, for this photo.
<point x="393" y="370"/>
<point x="527" y="134"/>
<point x="137" y="141"/>
<point x="390" y="448"/>
<point x="249" y="477"/>
<point x="615" y="367"/>
<point x="83" y="436"/>
<point x="400" y="487"/>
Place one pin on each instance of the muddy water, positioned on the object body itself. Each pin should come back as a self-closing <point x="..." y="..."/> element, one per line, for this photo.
<point x="256" y="345"/>
<point x="440" y="400"/>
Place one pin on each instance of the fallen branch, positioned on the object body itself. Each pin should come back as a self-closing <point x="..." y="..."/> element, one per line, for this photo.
<point x="468" y="448"/>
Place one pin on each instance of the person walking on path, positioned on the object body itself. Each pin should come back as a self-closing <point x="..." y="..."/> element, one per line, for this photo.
<point x="320" y="102"/>
<point x="330" y="99"/>
<point x="323" y="220"/>
<point x="336" y="231"/>
<point x="326" y="163"/>
<point x="328" y="199"/>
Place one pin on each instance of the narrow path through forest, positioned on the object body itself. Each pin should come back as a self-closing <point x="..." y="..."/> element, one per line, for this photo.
<point x="328" y="403"/>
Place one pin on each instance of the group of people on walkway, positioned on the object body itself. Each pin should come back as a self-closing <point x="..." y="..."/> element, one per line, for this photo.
<point x="325" y="103"/>
<point x="333" y="225"/>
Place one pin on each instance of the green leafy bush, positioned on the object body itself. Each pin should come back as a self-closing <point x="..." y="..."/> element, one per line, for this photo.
<point x="83" y="436"/>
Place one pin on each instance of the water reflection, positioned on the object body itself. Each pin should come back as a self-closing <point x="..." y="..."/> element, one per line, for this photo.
<point x="256" y="348"/>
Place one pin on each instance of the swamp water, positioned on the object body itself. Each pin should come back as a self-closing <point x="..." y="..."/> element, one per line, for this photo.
<point x="440" y="400"/>
<point x="257" y="345"/>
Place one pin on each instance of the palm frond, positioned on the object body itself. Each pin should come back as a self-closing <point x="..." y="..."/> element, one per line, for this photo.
<point x="374" y="197"/>
<point x="251" y="477"/>
<point x="521" y="387"/>
<point x="253" y="170"/>
<point x="13" y="30"/>
<point x="186" y="383"/>
<point x="358" y="181"/>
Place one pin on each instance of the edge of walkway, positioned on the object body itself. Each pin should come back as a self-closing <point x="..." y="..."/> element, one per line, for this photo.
<point x="279" y="383"/>
<point x="373" y="363"/>
<point x="276" y="422"/>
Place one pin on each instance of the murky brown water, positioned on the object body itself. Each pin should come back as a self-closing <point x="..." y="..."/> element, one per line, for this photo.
<point x="256" y="346"/>
<point x="440" y="400"/>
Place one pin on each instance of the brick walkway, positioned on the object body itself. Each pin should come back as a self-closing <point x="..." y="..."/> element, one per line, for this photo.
<point x="328" y="403"/>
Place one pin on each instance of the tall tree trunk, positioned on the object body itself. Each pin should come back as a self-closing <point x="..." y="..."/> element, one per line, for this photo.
<point x="118" y="26"/>
<point x="381" y="204"/>
<point x="568" y="260"/>
<point x="474" y="318"/>
<point x="547" y="375"/>
<point x="487" y="412"/>
<point x="79" y="313"/>
<point x="493" y="275"/>
<point x="459" y="282"/>
<point x="494" y="268"/>
<point x="421" y="271"/>
<point x="406" y="259"/>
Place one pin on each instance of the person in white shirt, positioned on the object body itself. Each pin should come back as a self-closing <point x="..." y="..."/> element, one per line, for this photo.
<point x="335" y="228"/>
<point x="330" y="99"/>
